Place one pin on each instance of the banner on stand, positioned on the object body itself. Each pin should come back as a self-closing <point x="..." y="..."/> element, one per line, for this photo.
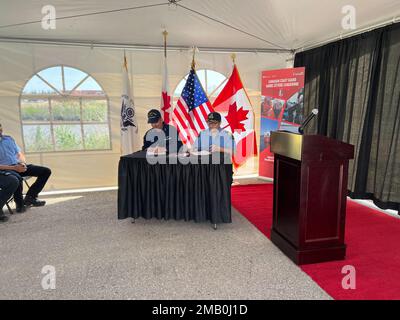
<point x="282" y="104"/>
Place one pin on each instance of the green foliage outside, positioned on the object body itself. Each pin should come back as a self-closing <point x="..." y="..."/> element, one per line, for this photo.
<point x="38" y="140"/>
<point x="97" y="141"/>
<point x="35" y="110"/>
<point x="94" y="110"/>
<point x="67" y="136"/>
<point x="66" y="110"/>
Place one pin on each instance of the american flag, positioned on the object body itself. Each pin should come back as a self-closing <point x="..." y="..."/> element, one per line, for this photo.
<point x="193" y="107"/>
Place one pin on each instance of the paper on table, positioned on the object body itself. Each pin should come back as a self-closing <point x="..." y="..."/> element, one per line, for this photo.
<point x="152" y="153"/>
<point x="201" y="153"/>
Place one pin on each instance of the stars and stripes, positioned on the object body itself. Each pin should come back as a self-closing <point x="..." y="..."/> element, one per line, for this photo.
<point x="193" y="107"/>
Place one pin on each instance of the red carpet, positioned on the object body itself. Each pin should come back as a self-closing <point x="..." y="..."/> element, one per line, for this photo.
<point x="373" y="246"/>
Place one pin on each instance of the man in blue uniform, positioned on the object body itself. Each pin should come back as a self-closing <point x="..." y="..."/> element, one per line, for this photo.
<point x="161" y="137"/>
<point x="215" y="139"/>
<point x="12" y="158"/>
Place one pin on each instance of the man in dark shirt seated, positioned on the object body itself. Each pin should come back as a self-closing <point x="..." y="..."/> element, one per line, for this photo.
<point x="161" y="138"/>
<point x="8" y="184"/>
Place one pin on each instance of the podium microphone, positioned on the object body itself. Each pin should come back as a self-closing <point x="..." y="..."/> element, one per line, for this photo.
<point x="313" y="113"/>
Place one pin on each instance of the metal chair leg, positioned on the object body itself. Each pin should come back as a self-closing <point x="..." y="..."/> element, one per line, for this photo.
<point x="26" y="183"/>
<point x="133" y="220"/>
<point x="215" y="226"/>
<point x="8" y="207"/>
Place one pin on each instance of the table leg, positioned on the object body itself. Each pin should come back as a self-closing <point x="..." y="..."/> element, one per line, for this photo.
<point x="133" y="220"/>
<point x="215" y="226"/>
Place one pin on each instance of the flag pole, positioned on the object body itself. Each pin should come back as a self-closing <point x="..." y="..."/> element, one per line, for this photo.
<point x="194" y="68"/>
<point x="125" y="61"/>
<point x="165" y="34"/>
<point x="233" y="56"/>
<point x="193" y="61"/>
<point x="166" y="103"/>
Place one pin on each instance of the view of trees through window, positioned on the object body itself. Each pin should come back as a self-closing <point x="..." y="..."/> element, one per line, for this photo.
<point x="64" y="109"/>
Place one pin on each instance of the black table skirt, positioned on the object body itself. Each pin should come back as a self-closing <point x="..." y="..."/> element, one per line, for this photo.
<point x="199" y="192"/>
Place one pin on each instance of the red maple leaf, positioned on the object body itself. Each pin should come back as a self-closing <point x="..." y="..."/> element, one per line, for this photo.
<point x="235" y="117"/>
<point x="166" y="101"/>
<point x="166" y="106"/>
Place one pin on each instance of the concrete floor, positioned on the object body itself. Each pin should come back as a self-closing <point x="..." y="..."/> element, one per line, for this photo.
<point x="96" y="256"/>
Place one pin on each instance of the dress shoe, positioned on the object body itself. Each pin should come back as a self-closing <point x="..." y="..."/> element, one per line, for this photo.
<point x="30" y="201"/>
<point x="3" y="217"/>
<point x="20" y="209"/>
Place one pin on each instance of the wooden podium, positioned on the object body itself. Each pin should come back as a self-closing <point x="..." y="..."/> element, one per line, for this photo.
<point x="310" y="189"/>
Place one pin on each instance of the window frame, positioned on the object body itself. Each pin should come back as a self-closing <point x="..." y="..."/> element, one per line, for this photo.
<point x="59" y="96"/>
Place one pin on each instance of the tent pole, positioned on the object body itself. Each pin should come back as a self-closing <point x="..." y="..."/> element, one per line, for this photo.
<point x="138" y="47"/>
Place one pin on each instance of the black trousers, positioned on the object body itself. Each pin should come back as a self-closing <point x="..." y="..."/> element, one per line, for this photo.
<point x="8" y="185"/>
<point x="42" y="174"/>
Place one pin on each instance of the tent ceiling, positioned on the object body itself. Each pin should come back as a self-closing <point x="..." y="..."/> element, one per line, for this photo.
<point x="273" y="23"/>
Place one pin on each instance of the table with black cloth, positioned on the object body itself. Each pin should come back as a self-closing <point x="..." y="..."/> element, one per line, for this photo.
<point x="168" y="190"/>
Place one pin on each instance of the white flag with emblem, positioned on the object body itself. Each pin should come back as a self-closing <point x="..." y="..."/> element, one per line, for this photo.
<point x="129" y="128"/>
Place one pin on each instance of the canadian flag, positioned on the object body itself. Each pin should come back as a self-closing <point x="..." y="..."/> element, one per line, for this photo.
<point x="166" y="106"/>
<point x="237" y="117"/>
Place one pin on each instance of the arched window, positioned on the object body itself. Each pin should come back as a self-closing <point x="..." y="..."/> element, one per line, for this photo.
<point x="212" y="81"/>
<point x="64" y="109"/>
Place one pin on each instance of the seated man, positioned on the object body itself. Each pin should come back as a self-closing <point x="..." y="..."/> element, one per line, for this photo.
<point x="215" y="139"/>
<point x="8" y="184"/>
<point x="14" y="160"/>
<point x="161" y="137"/>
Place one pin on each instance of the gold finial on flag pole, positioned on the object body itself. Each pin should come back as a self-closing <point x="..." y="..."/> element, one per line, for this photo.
<point x="125" y="61"/>
<point x="233" y="56"/>
<point x="165" y="34"/>
<point x="193" y="61"/>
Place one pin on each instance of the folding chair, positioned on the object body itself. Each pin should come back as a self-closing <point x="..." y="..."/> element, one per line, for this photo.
<point x="8" y="205"/>
<point x="25" y="180"/>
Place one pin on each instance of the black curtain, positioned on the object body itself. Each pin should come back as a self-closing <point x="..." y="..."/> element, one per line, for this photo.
<point x="355" y="83"/>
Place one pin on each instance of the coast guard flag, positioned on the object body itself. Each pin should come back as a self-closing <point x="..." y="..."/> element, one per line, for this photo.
<point x="192" y="109"/>
<point x="129" y="127"/>
<point x="237" y="117"/>
<point x="166" y="106"/>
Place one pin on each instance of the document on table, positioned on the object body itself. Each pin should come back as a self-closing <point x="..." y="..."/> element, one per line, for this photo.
<point x="152" y="153"/>
<point x="201" y="153"/>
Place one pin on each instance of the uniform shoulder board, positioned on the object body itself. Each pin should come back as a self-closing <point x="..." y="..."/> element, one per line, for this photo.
<point x="167" y="127"/>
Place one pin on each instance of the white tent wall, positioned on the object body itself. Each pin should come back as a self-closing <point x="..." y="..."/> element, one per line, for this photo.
<point x="86" y="169"/>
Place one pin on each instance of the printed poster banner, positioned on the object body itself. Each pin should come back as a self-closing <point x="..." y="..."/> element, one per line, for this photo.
<point x="282" y="104"/>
